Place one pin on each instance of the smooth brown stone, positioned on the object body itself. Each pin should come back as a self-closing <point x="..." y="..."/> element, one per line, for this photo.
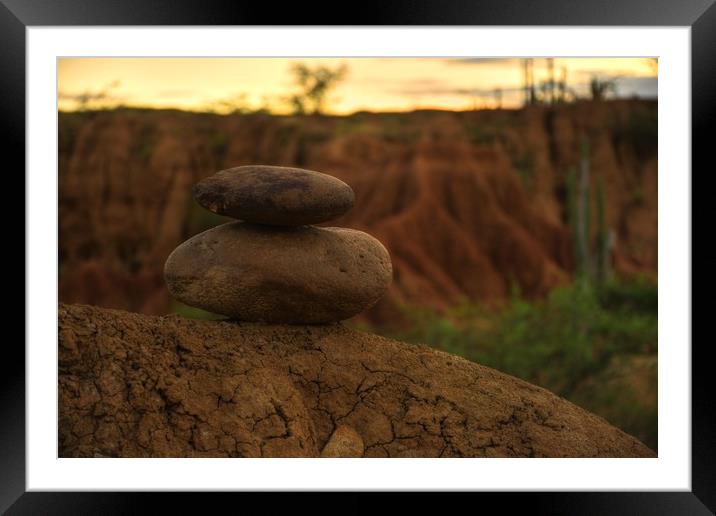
<point x="344" y="443"/>
<point x="279" y="196"/>
<point x="301" y="275"/>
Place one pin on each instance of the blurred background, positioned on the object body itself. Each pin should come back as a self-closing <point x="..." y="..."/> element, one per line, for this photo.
<point x="517" y="197"/>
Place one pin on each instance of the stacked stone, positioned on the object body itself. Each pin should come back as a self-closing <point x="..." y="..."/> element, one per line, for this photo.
<point x="273" y="265"/>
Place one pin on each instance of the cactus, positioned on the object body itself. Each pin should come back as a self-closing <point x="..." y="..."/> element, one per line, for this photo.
<point x="562" y="86"/>
<point x="583" y="213"/>
<point x="572" y="217"/>
<point x="550" y="67"/>
<point x="603" y="237"/>
<point x="589" y="267"/>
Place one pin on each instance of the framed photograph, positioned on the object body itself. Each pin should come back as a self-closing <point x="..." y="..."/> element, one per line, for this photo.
<point x="416" y="250"/>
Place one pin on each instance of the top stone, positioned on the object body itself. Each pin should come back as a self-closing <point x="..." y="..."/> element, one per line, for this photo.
<point x="278" y="196"/>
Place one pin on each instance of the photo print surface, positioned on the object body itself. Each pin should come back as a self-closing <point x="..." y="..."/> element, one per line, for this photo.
<point x="358" y="257"/>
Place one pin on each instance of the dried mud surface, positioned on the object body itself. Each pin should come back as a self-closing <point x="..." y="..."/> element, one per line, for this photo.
<point x="133" y="385"/>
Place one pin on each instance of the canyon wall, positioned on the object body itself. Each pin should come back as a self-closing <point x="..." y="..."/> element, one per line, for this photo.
<point x="470" y="205"/>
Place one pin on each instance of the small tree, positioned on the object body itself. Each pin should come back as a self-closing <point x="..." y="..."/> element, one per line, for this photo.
<point x="89" y="100"/>
<point x="233" y="105"/>
<point x="601" y="88"/>
<point x="315" y="84"/>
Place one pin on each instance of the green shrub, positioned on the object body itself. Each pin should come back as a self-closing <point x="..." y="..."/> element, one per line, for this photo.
<point x="639" y="295"/>
<point x="191" y="312"/>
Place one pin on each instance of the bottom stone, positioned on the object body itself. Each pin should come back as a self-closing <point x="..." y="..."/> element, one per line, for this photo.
<point x="300" y="275"/>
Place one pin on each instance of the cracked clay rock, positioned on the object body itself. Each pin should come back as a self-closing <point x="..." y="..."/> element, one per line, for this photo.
<point x="271" y="195"/>
<point x="133" y="385"/>
<point x="304" y="275"/>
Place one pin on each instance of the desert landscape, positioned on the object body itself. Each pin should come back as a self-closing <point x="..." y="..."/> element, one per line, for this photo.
<point x="483" y="194"/>
<point x="523" y="240"/>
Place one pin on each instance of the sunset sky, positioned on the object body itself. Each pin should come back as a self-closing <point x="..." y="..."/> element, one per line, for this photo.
<point x="373" y="84"/>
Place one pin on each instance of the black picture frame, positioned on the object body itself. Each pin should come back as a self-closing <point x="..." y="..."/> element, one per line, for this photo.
<point x="17" y="15"/>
